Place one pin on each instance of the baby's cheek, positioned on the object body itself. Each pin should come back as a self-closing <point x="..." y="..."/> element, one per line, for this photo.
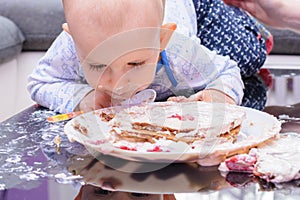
<point x="93" y="77"/>
<point x="144" y="76"/>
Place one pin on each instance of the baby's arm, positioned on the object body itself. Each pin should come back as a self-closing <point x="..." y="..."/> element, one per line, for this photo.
<point x="225" y="87"/>
<point x="58" y="82"/>
<point x="201" y="68"/>
<point x="227" y="82"/>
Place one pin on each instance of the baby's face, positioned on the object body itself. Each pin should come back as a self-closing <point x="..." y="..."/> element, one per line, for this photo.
<point x="122" y="65"/>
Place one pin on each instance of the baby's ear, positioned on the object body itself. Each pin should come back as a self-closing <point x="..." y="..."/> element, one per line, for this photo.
<point x="65" y="27"/>
<point x="166" y="34"/>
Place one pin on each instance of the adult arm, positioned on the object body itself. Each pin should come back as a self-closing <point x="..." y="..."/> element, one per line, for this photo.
<point x="277" y="13"/>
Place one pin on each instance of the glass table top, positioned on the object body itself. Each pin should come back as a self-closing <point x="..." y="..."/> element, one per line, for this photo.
<point x="32" y="166"/>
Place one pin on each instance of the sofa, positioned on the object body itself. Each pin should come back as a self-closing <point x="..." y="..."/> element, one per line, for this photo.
<point x="28" y="27"/>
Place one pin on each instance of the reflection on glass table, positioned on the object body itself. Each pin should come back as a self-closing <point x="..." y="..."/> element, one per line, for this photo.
<point x="91" y="192"/>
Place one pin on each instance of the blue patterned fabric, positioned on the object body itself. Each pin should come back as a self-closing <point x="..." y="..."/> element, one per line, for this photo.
<point x="230" y="31"/>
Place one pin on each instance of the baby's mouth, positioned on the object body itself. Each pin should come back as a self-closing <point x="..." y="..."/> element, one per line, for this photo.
<point x="120" y="94"/>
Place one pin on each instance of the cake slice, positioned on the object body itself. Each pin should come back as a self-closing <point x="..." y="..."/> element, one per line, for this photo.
<point x="186" y="122"/>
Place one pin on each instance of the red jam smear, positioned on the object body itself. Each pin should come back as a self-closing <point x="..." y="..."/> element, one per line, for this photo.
<point x="156" y="149"/>
<point x="128" y="148"/>
<point x="183" y="117"/>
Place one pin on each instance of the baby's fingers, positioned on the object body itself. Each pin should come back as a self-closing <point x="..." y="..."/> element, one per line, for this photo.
<point x="178" y="99"/>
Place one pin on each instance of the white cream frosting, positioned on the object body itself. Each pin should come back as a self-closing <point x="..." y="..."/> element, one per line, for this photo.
<point x="189" y="118"/>
<point x="278" y="160"/>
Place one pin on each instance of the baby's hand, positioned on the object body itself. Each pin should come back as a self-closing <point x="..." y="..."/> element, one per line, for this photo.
<point x="179" y="99"/>
<point x="209" y="95"/>
<point x="87" y="104"/>
<point x="95" y="100"/>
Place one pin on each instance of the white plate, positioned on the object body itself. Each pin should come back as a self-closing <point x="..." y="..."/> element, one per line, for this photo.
<point x="256" y="128"/>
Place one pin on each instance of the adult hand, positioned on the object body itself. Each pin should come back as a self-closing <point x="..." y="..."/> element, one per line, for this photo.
<point x="270" y="12"/>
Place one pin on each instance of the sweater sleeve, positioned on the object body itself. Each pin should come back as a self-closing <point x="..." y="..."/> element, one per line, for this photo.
<point x="58" y="82"/>
<point x="228" y="78"/>
<point x="199" y="68"/>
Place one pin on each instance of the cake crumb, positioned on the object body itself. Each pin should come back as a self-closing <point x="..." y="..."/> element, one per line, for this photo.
<point x="57" y="141"/>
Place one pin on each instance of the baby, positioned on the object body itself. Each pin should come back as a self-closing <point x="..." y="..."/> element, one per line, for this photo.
<point x="110" y="50"/>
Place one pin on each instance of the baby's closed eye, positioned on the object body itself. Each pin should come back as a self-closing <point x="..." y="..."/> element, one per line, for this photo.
<point x="97" y="67"/>
<point x="136" y="64"/>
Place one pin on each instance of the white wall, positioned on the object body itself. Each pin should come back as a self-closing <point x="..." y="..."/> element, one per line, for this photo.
<point x="13" y="81"/>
